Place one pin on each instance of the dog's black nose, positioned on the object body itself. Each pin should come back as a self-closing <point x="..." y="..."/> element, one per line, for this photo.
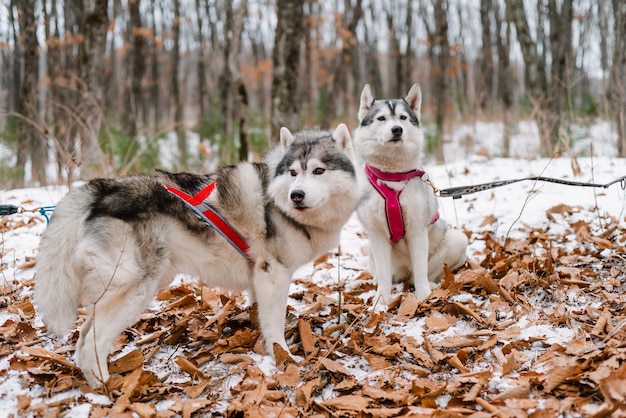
<point x="297" y="196"/>
<point x="396" y="130"/>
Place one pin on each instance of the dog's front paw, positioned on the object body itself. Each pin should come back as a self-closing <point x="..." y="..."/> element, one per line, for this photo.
<point x="94" y="375"/>
<point x="381" y="301"/>
<point x="423" y="290"/>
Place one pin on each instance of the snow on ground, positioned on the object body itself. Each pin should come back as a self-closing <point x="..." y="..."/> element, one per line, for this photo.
<point x="507" y="211"/>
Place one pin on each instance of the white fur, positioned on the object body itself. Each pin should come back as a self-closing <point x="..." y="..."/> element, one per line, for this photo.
<point x="425" y="248"/>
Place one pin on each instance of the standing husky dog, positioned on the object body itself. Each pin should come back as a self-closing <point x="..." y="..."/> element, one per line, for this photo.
<point x="112" y="244"/>
<point x="406" y="235"/>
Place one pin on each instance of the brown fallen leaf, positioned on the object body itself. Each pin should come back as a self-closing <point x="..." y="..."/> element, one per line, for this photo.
<point x="348" y="403"/>
<point x="306" y="335"/>
<point x="190" y="368"/>
<point x="126" y="363"/>
<point x="407" y="308"/>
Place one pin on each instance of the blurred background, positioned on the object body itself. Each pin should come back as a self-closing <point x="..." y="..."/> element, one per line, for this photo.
<point x="112" y="87"/>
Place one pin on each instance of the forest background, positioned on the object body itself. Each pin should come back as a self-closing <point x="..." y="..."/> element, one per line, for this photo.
<point x="92" y="87"/>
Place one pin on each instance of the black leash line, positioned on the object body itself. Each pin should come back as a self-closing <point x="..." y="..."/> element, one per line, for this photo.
<point x="457" y="192"/>
<point x="12" y="209"/>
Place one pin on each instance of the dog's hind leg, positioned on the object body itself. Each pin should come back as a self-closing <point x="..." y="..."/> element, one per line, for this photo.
<point x="108" y="316"/>
<point x="116" y="289"/>
<point x="271" y="291"/>
<point x="451" y="252"/>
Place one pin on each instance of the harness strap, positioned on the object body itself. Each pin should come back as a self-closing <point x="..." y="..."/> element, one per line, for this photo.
<point x="211" y="217"/>
<point x="393" y="210"/>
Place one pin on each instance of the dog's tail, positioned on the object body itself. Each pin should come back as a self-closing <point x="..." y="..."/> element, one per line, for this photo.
<point x="57" y="282"/>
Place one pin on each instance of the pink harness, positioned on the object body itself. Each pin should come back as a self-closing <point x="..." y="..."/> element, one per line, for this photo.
<point x="395" y="221"/>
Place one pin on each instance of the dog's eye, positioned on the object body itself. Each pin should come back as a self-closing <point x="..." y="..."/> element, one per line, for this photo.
<point x="319" y="170"/>
<point x="403" y="117"/>
<point x="381" y="118"/>
<point x="293" y="173"/>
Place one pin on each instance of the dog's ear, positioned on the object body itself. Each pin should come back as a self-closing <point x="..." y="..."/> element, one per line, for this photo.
<point x="366" y="101"/>
<point x="342" y="137"/>
<point x="414" y="99"/>
<point x="286" y="139"/>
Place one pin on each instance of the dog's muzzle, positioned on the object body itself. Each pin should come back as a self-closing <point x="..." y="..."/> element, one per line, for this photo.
<point x="396" y="131"/>
<point x="297" y="197"/>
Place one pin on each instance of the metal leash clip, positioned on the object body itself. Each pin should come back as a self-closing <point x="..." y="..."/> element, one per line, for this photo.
<point x="426" y="179"/>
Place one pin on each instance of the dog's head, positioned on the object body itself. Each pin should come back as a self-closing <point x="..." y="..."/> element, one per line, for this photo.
<point x="314" y="180"/>
<point x="389" y="128"/>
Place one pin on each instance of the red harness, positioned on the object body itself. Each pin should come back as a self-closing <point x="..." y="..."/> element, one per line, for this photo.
<point x="211" y="217"/>
<point x="395" y="221"/>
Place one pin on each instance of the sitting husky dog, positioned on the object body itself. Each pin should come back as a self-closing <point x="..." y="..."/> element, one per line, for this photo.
<point x="406" y="235"/>
<point x="112" y="244"/>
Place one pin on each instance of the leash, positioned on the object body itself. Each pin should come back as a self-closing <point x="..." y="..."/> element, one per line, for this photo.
<point x="212" y="218"/>
<point x="393" y="210"/>
<point x="457" y="192"/>
<point x="12" y="209"/>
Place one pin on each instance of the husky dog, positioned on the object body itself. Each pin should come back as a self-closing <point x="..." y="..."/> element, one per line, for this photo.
<point x="406" y="235"/>
<point x="112" y="244"/>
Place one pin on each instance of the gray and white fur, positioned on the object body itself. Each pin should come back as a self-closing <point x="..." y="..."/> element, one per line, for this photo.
<point x="390" y="138"/>
<point x="112" y="244"/>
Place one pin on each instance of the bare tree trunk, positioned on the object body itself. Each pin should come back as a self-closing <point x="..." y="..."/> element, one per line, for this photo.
<point x="16" y="100"/>
<point x="29" y="126"/>
<point x="286" y="70"/>
<point x="617" y="80"/>
<point x="54" y="99"/>
<point x="94" y="25"/>
<point x="201" y="69"/>
<point x="505" y="76"/>
<point x="603" y="22"/>
<point x="372" y="61"/>
<point x="439" y="54"/>
<point x="486" y="73"/>
<point x="155" y="86"/>
<point x="15" y="79"/>
<point x="230" y="83"/>
<point x="393" y="52"/>
<point x="561" y="48"/>
<point x="536" y="82"/>
<point x="350" y="19"/>
<point x="183" y="150"/>
<point x="68" y="116"/>
<point x="135" y="70"/>
<point x="306" y="87"/>
<point x="114" y="89"/>
<point x="243" y="121"/>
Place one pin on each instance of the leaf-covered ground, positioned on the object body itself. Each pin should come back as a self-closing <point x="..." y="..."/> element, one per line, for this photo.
<point x="531" y="326"/>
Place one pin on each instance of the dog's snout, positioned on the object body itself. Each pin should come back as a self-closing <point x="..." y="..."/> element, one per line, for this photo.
<point x="297" y="196"/>
<point x="396" y="130"/>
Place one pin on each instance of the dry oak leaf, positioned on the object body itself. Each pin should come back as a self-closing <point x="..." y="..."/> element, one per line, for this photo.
<point x="333" y="366"/>
<point x="290" y="377"/>
<point x="190" y="368"/>
<point x="439" y="322"/>
<point x="613" y="388"/>
<point x="306" y="335"/>
<point x="126" y="363"/>
<point x="383" y="412"/>
<point x="348" y="403"/>
<point x="49" y="355"/>
<point x="560" y="374"/>
<point x="23" y="307"/>
<point x="407" y="308"/>
<point x="397" y="396"/>
<point x="305" y="391"/>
